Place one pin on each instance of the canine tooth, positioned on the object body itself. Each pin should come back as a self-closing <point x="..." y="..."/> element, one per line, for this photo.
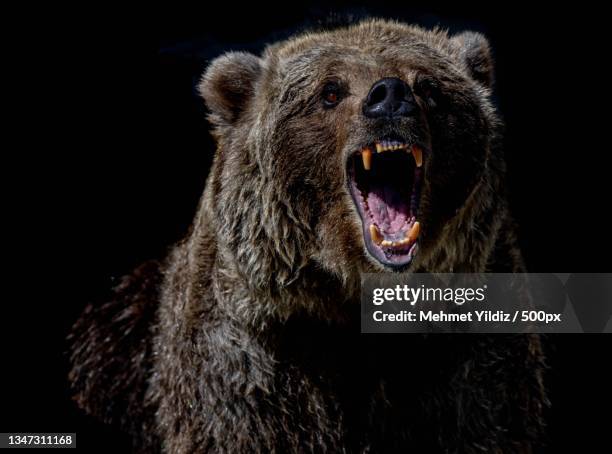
<point x="366" y="156"/>
<point x="413" y="233"/>
<point x="375" y="234"/>
<point x="418" y="155"/>
<point x="379" y="147"/>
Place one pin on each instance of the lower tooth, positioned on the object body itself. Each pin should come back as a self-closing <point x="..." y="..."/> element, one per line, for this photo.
<point x="375" y="234"/>
<point x="413" y="233"/>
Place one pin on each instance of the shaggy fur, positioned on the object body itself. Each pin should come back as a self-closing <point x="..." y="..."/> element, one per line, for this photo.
<point x="247" y="338"/>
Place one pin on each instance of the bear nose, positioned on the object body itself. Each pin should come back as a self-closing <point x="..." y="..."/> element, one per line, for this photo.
<point x="389" y="98"/>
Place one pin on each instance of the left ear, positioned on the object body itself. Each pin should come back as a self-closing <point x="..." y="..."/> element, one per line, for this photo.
<point x="228" y="85"/>
<point x="474" y="51"/>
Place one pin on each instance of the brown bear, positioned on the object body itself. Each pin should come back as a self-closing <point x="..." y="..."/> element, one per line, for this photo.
<point x="369" y="148"/>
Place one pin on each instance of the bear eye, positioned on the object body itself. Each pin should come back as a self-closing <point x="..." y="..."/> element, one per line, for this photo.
<point x="331" y="94"/>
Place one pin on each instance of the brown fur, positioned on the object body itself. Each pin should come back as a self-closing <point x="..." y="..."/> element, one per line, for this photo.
<point x="249" y="339"/>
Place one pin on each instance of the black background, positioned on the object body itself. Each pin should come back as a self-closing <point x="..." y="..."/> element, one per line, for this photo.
<point x="116" y="152"/>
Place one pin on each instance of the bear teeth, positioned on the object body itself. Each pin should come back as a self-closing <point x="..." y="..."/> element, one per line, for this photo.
<point x="410" y="237"/>
<point x="418" y="155"/>
<point x="366" y="152"/>
<point x="386" y="145"/>
<point x="366" y="156"/>
<point x="413" y="233"/>
<point x="375" y="234"/>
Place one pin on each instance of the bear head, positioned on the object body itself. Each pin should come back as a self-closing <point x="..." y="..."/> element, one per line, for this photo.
<point x="350" y="150"/>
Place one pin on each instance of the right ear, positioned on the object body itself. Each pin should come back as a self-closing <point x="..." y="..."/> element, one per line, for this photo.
<point x="228" y="84"/>
<point x="475" y="52"/>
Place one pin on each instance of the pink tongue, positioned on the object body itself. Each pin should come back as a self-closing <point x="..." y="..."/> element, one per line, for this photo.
<point x="387" y="208"/>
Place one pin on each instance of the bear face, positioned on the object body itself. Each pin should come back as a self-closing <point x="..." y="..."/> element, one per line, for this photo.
<point x="353" y="148"/>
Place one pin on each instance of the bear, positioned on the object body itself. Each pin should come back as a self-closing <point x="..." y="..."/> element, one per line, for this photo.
<point x="373" y="147"/>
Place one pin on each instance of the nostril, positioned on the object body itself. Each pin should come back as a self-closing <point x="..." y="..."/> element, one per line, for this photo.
<point x="378" y="95"/>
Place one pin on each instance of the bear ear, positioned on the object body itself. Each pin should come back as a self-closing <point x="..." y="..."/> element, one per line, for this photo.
<point x="228" y="84"/>
<point x="474" y="51"/>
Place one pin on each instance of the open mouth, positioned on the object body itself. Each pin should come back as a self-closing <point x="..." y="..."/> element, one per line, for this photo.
<point x="385" y="183"/>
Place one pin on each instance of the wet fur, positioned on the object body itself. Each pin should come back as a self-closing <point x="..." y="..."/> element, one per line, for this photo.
<point x="246" y="339"/>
